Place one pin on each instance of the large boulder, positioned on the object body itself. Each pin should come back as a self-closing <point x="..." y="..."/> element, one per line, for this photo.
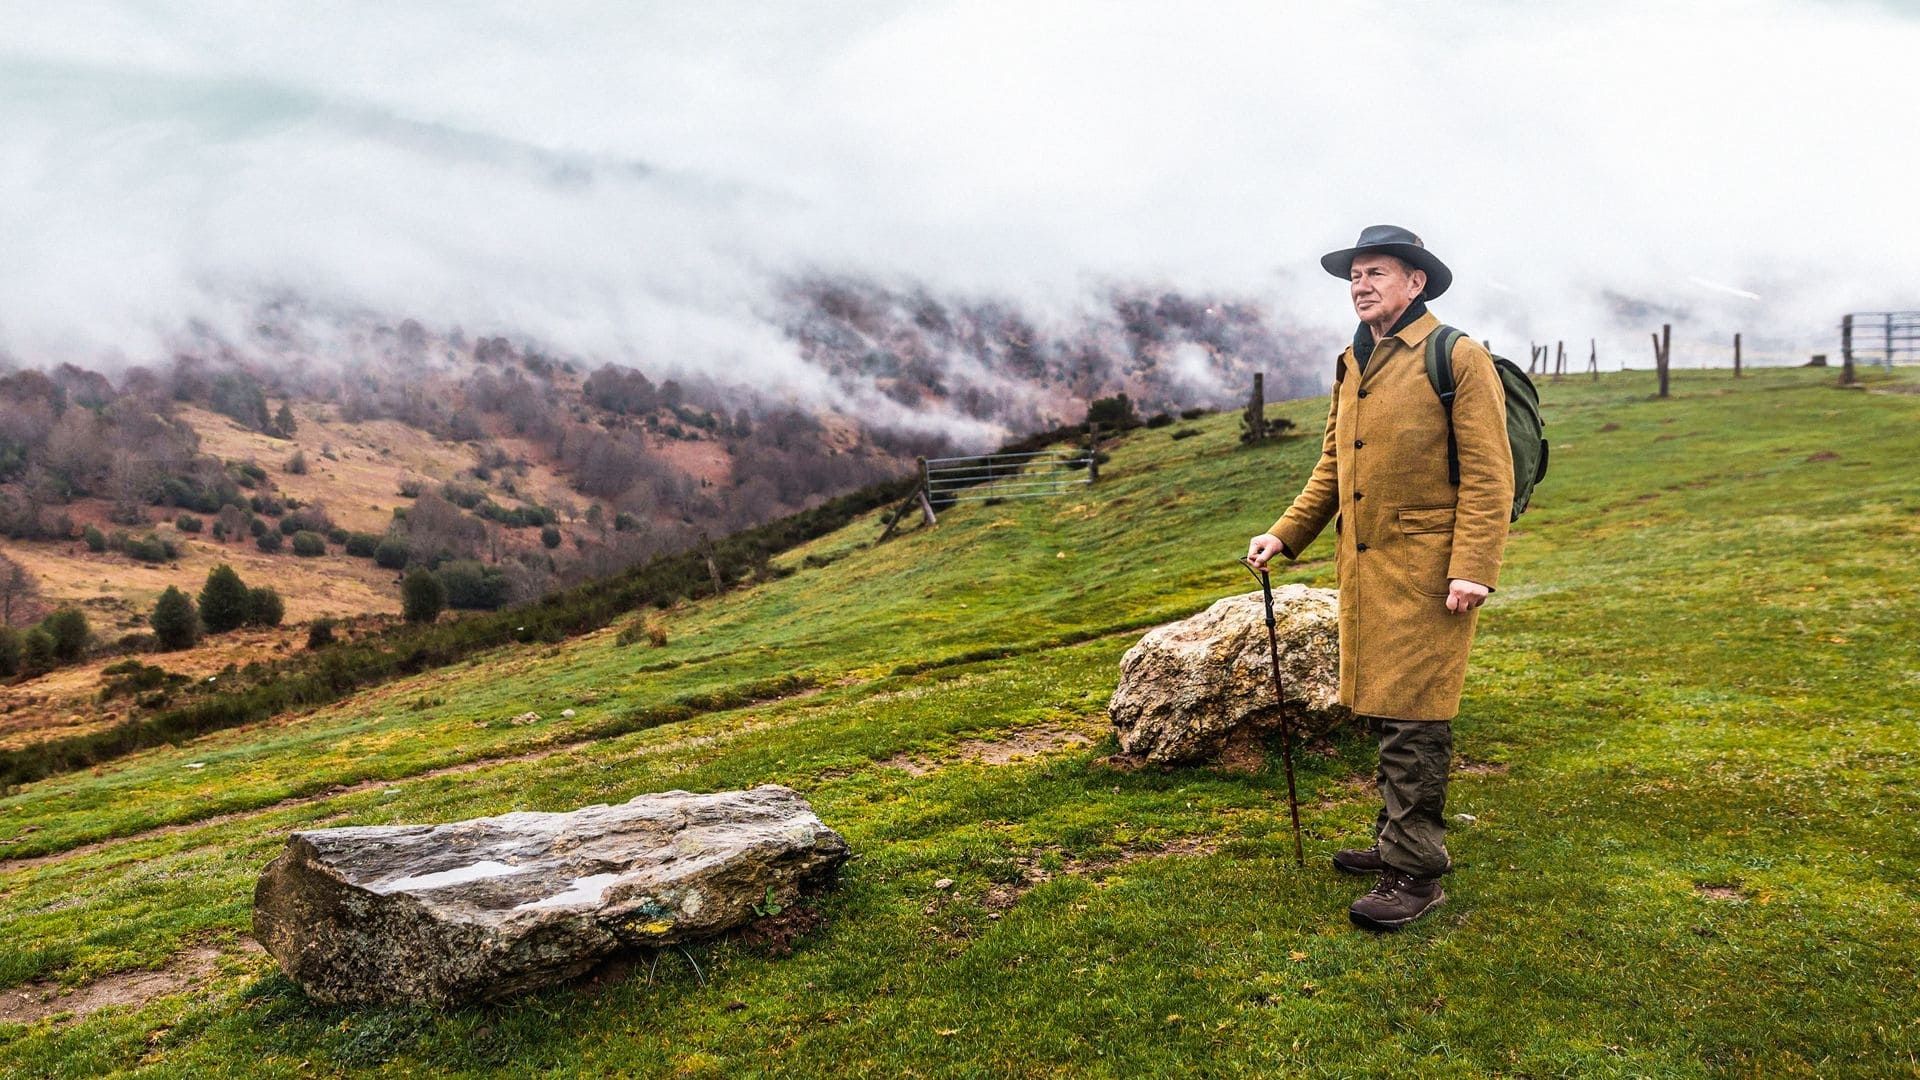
<point x="1192" y="689"/>
<point x="485" y="908"/>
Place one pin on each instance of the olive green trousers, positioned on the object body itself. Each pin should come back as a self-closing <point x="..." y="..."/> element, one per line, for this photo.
<point x="1415" y="758"/>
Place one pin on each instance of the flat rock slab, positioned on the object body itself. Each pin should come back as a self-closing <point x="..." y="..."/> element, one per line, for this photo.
<point x="482" y="909"/>
<point x="1191" y="689"/>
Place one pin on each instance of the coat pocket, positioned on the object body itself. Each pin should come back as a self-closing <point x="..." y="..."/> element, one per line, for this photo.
<point x="1425" y="519"/>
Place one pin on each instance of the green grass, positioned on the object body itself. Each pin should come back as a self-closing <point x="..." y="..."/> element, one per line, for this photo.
<point x="1699" y="671"/>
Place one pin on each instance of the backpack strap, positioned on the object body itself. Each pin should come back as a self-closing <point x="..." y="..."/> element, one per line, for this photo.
<point x="1440" y="345"/>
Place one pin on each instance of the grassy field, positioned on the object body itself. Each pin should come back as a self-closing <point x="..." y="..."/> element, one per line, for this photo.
<point x="1688" y="749"/>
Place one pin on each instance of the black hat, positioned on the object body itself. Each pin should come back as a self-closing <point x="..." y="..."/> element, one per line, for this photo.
<point x="1398" y="242"/>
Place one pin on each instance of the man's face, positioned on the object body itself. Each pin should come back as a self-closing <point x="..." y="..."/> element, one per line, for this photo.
<point x="1383" y="287"/>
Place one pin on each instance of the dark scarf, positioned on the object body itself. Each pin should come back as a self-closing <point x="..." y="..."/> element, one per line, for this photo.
<point x="1363" y="337"/>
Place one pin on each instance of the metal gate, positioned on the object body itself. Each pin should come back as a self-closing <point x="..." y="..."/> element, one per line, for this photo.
<point x="1880" y="337"/>
<point x="1007" y="476"/>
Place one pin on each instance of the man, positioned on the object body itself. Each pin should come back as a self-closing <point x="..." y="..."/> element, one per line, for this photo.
<point x="1415" y="555"/>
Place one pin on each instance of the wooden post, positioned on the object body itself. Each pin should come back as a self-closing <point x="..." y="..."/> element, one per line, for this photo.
<point x="1593" y="358"/>
<point x="1253" y="423"/>
<point x="1736" y="355"/>
<point x="926" y="498"/>
<point x="1533" y="357"/>
<point x="1662" y="351"/>
<point x="1559" y="360"/>
<point x="1887" y="360"/>
<point x="1846" y="351"/>
<point x="713" y="565"/>
<point x="1093" y="452"/>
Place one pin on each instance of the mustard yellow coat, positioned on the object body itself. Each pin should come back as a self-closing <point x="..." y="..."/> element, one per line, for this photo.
<point x="1402" y="530"/>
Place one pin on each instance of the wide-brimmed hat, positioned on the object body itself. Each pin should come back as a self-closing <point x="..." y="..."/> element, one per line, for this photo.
<point x="1398" y="242"/>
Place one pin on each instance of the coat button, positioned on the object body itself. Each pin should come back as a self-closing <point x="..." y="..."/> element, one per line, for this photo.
<point x="1359" y="547"/>
<point x="1358" y="495"/>
<point x="1363" y="393"/>
<point x="1358" y="443"/>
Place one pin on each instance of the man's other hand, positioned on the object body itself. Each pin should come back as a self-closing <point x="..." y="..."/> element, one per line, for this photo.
<point x="1261" y="549"/>
<point x="1464" y="596"/>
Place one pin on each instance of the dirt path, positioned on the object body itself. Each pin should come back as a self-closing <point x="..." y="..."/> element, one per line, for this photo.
<point x="36" y="1001"/>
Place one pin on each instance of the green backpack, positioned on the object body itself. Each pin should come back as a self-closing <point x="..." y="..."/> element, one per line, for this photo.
<point x="1523" y="415"/>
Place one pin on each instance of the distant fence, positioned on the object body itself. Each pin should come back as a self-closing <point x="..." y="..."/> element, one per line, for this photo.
<point x="1880" y="337"/>
<point x="1008" y="476"/>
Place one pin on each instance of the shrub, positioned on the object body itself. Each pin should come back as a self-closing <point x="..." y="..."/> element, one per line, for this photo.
<point x="256" y="527"/>
<point x="410" y="488"/>
<point x="320" y="633"/>
<point x="9" y="652"/>
<point x="264" y="606"/>
<point x="1186" y="433"/>
<point x="625" y="522"/>
<point x="151" y="548"/>
<point x="1192" y="414"/>
<point x="68" y="629"/>
<point x="96" y="540"/>
<point x="391" y="553"/>
<point x="175" y="622"/>
<point x="422" y="597"/>
<point x="1113" y="413"/>
<point x="550" y="537"/>
<point x="1160" y="420"/>
<point x="471" y="586"/>
<point x="297" y="464"/>
<point x="36" y="652"/>
<point x="223" y="600"/>
<point x="361" y="545"/>
<point x="187" y="523"/>
<point x="309" y="544"/>
<point x="269" y="540"/>
<point x="335" y="535"/>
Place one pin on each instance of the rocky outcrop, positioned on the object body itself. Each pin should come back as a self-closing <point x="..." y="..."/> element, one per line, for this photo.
<point x="1191" y="689"/>
<point x="486" y="908"/>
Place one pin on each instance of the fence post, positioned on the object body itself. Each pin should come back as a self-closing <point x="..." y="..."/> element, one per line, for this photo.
<point x="1093" y="452"/>
<point x="1889" y="356"/>
<point x="1559" y="360"/>
<point x="1736" y="355"/>
<point x="1253" y="422"/>
<point x="1593" y="358"/>
<point x="1846" y="351"/>
<point x="926" y="500"/>
<point x="1662" y="349"/>
<point x="713" y="565"/>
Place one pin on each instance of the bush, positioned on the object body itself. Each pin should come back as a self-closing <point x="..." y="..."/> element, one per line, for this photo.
<point x="223" y="600"/>
<point x="422" y="597"/>
<point x="1160" y="420"/>
<point x="309" y="544"/>
<point x="269" y="540"/>
<point x="68" y="629"/>
<point x="187" y="523"/>
<point x="264" y="606"/>
<point x="151" y="548"/>
<point x="391" y="553"/>
<point x="174" y="620"/>
<point x="361" y="545"/>
<point x="1113" y="413"/>
<point x="336" y="535"/>
<point x="1186" y="433"/>
<point x="256" y="527"/>
<point x="36" y="652"/>
<point x="297" y="464"/>
<point x="9" y="652"/>
<point x="96" y="540"/>
<point x="320" y="633"/>
<point x="471" y="586"/>
<point x="625" y="522"/>
<point x="550" y="537"/>
<point x="1192" y="414"/>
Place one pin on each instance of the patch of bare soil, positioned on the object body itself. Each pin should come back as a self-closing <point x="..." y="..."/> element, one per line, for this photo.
<point x="1720" y="891"/>
<point x="1823" y="455"/>
<point x="41" y="999"/>
<point x="1029" y="872"/>
<point x="1014" y="746"/>
<point x="1469" y="767"/>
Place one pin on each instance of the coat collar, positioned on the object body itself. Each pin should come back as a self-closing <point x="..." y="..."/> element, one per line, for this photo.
<point x="1412" y="328"/>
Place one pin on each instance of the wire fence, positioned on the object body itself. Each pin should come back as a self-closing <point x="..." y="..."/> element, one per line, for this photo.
<point x="1032" y="475"/>
<point x="1881" y="337"/>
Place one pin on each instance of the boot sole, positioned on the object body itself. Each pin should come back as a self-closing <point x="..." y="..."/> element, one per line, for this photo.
<point x="1366" y="922"/>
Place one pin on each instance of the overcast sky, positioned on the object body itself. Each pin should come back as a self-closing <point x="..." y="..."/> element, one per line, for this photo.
<point x="630" y="179"/>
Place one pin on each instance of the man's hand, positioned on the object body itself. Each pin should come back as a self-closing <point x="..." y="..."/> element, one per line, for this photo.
<point x="1262" y="548"/>
<point x="1464" y="596"/>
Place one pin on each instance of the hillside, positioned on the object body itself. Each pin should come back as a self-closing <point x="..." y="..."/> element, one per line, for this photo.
<point x="1686" y="750"/>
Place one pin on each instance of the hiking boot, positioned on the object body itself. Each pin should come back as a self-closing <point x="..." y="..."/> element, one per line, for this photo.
<point x="1358" y="861"/>
<point x="1396" y="900"/>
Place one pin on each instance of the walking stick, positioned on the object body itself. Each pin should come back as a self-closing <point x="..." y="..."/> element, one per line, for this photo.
<point x="1286" y="729"/>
